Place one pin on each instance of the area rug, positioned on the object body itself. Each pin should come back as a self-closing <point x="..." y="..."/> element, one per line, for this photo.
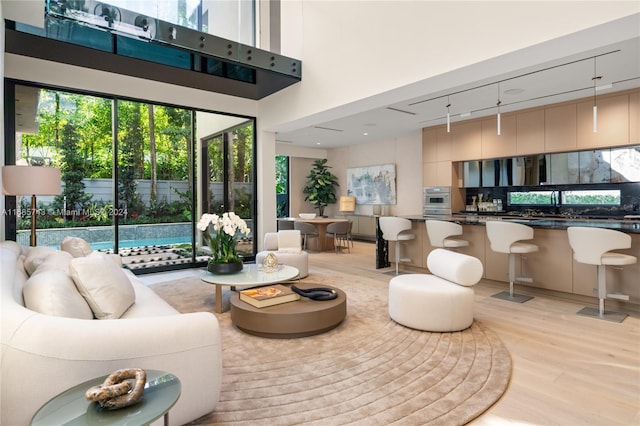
<point x="367" y="371"/>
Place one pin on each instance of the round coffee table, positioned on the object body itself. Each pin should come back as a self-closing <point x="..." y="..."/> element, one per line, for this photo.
<point x="251" y="275"/>
<point x="304" y="317"/>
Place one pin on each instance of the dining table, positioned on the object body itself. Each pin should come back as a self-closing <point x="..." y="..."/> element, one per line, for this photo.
<point x="321" y="224"/>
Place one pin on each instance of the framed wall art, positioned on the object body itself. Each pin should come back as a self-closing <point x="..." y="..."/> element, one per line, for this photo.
<point x="372" y="184"/>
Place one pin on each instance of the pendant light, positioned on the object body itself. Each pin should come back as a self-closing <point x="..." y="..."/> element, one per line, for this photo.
<point x="498" y="105"/>
<point x="595" y="78"/>
<point x="448" y="116"/>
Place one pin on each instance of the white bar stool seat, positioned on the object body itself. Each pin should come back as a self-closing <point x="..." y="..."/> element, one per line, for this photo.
<point x="396" y="229"/>
<point x="593" y="246"/>
<point x="507" y="237"/>
<point x="441" y="231"/>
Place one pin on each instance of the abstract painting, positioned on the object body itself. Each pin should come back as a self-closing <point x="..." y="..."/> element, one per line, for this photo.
<point x="372" y="184"/>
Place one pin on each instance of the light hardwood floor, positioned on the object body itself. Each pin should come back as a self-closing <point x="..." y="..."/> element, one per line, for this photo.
<point x="567" y="369"/>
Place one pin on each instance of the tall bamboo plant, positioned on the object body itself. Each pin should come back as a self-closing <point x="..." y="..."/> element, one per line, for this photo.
<point x="320" y="188"/>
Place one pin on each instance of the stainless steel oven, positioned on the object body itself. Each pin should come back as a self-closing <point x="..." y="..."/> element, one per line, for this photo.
<point x="437" y="201"/>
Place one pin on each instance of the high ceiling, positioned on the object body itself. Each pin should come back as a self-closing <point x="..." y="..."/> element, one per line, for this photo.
<point x="565" y="79"/>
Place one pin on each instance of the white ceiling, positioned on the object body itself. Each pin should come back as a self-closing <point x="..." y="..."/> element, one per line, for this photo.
<point x="562" y="80"/>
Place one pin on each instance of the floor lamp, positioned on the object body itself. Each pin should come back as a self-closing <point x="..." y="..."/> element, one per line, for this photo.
<point x="31" y="180"/>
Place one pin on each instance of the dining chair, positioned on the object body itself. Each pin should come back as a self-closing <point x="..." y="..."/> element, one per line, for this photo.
<point x="339" y="231"/>
<point x="307" y="230"/>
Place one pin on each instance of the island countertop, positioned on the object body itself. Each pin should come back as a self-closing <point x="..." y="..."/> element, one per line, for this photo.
<point x="631" y="226"/>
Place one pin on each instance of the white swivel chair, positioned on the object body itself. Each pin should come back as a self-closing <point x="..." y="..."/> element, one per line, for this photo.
<point x="396" y="229"/>
<point x="593" y="246"/>
<point x="507" y="237"/>
<point x="440" y="233"/>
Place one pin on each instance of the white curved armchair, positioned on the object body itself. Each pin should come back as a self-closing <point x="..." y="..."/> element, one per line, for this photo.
<point x="396" y="229"/>
<point x="507" y="237"/>
<point x="594" y="246"/>
<point x="441" y="231"/>
<point x="286" y="245"/>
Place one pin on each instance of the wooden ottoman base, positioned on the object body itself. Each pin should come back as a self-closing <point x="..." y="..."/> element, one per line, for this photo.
<point x="301" y="318"/>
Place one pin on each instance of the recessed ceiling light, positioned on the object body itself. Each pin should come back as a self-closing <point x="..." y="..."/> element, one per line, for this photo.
<point x="317" y="143"/>
<point x="365" y="134"/>
<point x="513" y="91"/>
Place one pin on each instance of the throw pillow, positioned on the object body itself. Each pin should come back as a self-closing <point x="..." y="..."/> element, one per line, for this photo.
<point x="34" y="257"/>
<point x="54" y="293"/>
<point x="104" y="285"/>
<point x="76" y="246"/>
<point x="55" y="261"/>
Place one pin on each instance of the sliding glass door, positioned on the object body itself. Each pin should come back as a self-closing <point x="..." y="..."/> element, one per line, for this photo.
<point x="128" y="174"/>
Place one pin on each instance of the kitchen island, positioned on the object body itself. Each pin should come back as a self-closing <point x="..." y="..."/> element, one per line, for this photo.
<point x="552" y="267"/>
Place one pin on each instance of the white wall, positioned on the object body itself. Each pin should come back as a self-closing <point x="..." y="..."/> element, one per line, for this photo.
<point x="404" y="151"/>
<point x="352" y="50"/>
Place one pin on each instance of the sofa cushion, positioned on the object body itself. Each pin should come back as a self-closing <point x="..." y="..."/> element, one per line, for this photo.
<point x="54" y="293"/>
<point x="34" y="257"/>
<point x="54" y="261"/>
<point x="103" y="284"/>
<point x="76" y="246"/>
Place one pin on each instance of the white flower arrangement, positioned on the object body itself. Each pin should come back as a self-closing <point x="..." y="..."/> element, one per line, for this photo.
<point x="226" y="229"/>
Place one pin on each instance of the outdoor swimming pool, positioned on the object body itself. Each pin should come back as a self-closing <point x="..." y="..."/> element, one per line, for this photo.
<point x="164" y="241"/>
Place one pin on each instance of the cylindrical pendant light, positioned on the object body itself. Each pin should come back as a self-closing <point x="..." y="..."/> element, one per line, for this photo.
<point x="595" y="78"/>
<point x="498" y="105"/>
<point x="448" y="116"/>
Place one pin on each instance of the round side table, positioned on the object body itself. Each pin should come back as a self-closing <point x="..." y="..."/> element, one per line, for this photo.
<point x="72" y="408"/>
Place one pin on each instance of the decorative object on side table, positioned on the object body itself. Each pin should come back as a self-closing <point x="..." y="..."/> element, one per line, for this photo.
<point x="117" y="391"/>
<point x="226" y="229"/>
<point x="270" y="262"/>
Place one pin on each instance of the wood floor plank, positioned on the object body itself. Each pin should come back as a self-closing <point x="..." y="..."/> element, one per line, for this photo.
<point x="567" y="369"/>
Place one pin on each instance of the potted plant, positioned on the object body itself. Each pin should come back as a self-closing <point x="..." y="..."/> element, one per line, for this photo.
<point x="320" y="188"/>
<point x="226" y="228"/>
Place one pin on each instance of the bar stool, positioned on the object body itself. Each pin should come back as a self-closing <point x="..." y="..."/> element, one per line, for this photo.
<point x="440" y="231"/>
<point x="593" y="246"/>
<point x="506" y="237"/>
<point x="396" y="229"/>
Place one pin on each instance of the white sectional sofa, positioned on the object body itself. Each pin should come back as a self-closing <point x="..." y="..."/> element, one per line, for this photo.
<point x="47" y="352"/>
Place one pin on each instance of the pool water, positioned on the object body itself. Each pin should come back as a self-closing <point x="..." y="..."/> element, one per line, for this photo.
<point x="104" y="245"/>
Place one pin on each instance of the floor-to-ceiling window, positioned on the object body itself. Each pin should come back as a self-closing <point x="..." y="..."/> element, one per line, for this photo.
<point x="228" y="183"/>
<point x="282" y="186"/>
<point x="128" y="173"/>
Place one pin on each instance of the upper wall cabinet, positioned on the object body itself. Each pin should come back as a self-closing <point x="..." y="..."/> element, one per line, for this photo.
<point x="612" y="122"/>
<point x="530" y="132"/>
<point x="560" y="128"/>
<point x="591" y="166"/>
<point x="429" y="145"/>
<point x="503" y="145"/>
<point x="466" y="141"/>
<point x="634" y="118"/>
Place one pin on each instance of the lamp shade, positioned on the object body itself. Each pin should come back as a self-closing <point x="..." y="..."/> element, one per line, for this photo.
<point x="30" y="180"/>
<point x="347" y="204"/>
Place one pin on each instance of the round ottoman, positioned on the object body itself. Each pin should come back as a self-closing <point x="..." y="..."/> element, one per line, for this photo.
<point x="430" y="303"/>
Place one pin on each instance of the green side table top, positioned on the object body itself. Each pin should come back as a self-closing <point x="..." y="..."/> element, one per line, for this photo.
<point x="72" y="408"/>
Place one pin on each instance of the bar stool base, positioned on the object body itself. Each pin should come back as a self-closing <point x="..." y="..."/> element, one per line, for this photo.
<point x="518" y="298"/>
<point x="607" y="316"/>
